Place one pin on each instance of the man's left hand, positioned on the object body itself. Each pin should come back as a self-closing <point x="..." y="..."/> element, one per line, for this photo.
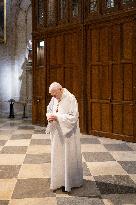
<point x="52" y="118"/>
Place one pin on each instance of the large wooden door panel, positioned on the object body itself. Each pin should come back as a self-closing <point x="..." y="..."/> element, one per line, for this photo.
<point x="93" y="46"/>
<point x="104" y="44"/>
<point x="64" y="63"/>
<point x="128" y="120"/>
<point x="105" y="82"/>
<point x="117" y="118"/>
<point x="95" y="116"/>
<point x="110" y="67"/>
<point x="51" y="51"/>
<point x="95" y="81"/>
<point x="99" y="71"/>
<point x="39" y="97"/>
<point x="59" y="52"/>
<point x="128" y="82"/>
<point x="127" y="39"/>
<point x="115" y="42"/>
<point x="106" y="117"/>
<point x="39" y="78"/>
<point x="117" y="82"/>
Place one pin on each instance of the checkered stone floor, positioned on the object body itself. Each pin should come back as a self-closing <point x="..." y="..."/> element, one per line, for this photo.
<point x="109" y="169"/>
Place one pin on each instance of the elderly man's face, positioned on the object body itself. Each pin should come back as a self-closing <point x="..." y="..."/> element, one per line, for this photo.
<point x="56" y="93"/>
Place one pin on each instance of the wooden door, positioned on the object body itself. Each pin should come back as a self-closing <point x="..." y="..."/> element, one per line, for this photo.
<point x="64" y="64"/>
<point x="39" y="75"/>
<point x="111" y="79"/>
<point x="122" y="80"/>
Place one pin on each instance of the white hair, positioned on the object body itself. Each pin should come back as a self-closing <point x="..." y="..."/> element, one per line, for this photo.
<point x="54" y="86"/>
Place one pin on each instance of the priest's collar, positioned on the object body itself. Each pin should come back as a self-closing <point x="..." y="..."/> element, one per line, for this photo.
<point x="63" y="94"/>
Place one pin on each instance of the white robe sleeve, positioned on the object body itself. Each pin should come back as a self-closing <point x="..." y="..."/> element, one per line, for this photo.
<point x="68" y="121"/>
<point x="51" y="126"/>
<point x="50" y="107"/>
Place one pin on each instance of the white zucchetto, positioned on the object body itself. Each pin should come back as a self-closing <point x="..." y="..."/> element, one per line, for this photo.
<point x="54" y="86"/>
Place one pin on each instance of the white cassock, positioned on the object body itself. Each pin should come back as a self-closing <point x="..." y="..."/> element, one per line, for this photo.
<point x="66" y="159"/>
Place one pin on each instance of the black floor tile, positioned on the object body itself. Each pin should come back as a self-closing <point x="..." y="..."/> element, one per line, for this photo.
<point x="9" y="171"/>
<point x="3" y="142"/>
<point x="129" y="166"/>
<point x="14" y="150"/>
<point x="117" y="147"/>
<point x="115" y="184"/>
<point x="89" y="189"/>
<point x="79" y="201"/>
<point x="37" y="158"/>
<point x="21" y="136"/>
<point x="40" y="142"/>
<point x="89" y="141"/>
<point x="98" y="156"/>
<point x="32" y="188"/>
<point x="25" y="127"/>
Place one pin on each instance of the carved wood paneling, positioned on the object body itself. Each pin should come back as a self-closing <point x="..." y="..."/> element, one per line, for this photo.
<point x="93" y="54"/>
<point x="111" y="69"/>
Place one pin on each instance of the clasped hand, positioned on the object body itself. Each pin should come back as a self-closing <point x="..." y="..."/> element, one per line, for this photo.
<point x="51" y="118"/>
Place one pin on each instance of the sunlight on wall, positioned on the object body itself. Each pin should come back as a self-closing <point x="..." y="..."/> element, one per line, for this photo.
<point x="5" y="82"/>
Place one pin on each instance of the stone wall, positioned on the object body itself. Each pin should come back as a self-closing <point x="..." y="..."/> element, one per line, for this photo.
<point x="14" y="76"/>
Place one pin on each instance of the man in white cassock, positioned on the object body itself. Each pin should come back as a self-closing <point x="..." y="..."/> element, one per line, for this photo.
<point x="63" y="125"/>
